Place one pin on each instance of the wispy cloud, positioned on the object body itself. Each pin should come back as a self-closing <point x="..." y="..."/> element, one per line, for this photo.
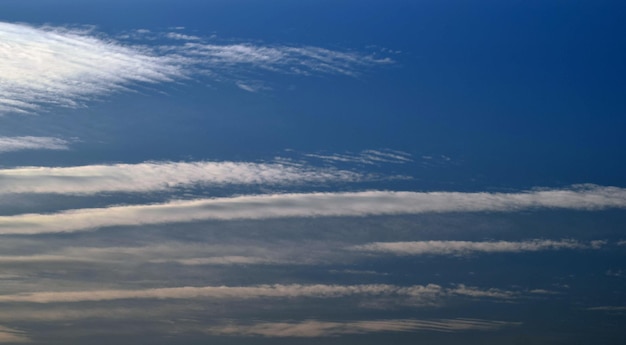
<point x="8" y="144"/>
<point x="156" y="176"/>
<point x="62" y="66"/>
<point x="66" y="67"/>
<point x="430" y="294"/>
<point x="313" y="205"/>
<point x="369" y="157"/>
<point x="315" y="328"/>
<point x="468" y="247"/>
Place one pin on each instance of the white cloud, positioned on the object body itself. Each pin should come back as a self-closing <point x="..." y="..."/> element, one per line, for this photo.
<point x="315" y="328"/>
<point x="313" y="205"/>
<point x="66" y="67"/>
<point x="468" y="247"/>
<point x="8" y="144"/>
<point x="156" y="176"/>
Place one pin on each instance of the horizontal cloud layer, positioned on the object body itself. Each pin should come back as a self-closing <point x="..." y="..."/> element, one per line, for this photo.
<point x="156" y="176"/>
<point x="64" y="66"/>
<point x="315" y="328"/>
<point x="468" y="247"/>
<point x="313" y="205"/>
<point x="8" y="144"/>
<point x="418" y="294"/>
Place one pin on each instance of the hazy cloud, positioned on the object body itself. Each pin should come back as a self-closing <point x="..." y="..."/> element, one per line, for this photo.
<point x="315" y="328"/>
<point x="369" y="157"/>
<point x="8" y="144"/>
<point x="10" y="335"/>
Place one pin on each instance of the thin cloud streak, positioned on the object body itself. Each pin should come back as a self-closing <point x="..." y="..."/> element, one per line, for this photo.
<point x="9" y="144"/>
<point x="429" y="295"/>
<point x="467" y="247"/>
<point x="370" y="203"/>
<point x="316" y="328"/>
<point x="159" y="176"/>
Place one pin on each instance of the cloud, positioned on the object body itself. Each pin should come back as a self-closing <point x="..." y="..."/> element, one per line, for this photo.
<point x="314" y="205"/>
<point x="8" y="144"/>
<point x="158" y="176"/>
<point x="10" y="335"/>
<point x="305" y="60"/>
<point x="430" y="294"/>
<point x="66" y="66"/>
<point x="369" y="157"/>
<point x="315" y="328"/>
<point x="468" y="247"/>
<point x="63" y="66"/>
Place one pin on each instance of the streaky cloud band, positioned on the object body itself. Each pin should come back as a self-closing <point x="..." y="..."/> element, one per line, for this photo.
<point x="418" y="294"/>
<point x="63" y="66"/>
<point x="354" y="204"/>
<point x="159" y="176"/>
<point x="468" y="247"/>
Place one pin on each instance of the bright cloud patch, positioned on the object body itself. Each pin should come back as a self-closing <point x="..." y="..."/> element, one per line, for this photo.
<point x="62" y="66"/>
<point x="8" y="144"/>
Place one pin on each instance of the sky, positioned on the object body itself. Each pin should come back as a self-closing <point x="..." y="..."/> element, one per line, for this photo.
<point x="305" y="172"/>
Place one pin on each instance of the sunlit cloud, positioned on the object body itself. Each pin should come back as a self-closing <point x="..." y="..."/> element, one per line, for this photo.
<point x="8" y="144"/>
<point x="468" y="247"/>
<point x="67" y="67"/>
<point x="62" y="66"/>
<point x="314" y="205"/>
<point x="159" y="176"/>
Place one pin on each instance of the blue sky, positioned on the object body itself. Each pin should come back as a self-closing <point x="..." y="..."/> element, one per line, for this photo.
<point x="260" y="172"/>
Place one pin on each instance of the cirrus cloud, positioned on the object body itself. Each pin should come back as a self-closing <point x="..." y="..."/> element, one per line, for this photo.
<point x="67" y="67"/>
